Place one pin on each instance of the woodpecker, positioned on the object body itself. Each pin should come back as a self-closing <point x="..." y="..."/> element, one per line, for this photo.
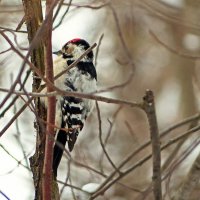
<point x="71" y="112"/>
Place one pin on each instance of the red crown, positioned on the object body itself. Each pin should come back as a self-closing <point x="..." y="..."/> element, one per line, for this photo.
<point x="74" y="40"/>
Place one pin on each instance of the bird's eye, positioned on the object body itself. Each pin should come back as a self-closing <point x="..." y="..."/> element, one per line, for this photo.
<point x="68" y="49"/>
<point x="64" y="49"/>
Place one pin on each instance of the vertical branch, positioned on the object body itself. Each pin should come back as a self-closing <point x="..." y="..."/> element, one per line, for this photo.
<point x="149" y="108"/>
<point x="47" y="183"/>
<point x="34" y="19"/>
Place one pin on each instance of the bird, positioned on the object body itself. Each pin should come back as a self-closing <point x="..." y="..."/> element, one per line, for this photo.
<point x="71" y="112"/>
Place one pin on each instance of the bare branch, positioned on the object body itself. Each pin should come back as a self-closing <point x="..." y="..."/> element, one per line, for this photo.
<point x="108" y="135"/>
<point x="16" y="97"/>
<point x="63" y="16"/>
<point x="149" y="108"/>
<point x="101" y="141"/>
<point x="51" y="105"/>
<point x="79" y="95"/>
<point x="19" y="162"/>
<point x="109" y="182"/>
<point x="97" y="50"/>
<point x="72" y="186"/>
<point x="9" y="29"/>
<point x="4" y="195"/>
<point x="15" y="117"/>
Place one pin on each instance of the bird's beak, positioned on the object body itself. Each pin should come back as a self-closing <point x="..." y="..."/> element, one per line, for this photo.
<point x="58" y="53"/>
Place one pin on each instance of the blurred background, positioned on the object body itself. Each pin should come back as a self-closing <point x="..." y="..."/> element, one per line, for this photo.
<point x="146" y="44"/>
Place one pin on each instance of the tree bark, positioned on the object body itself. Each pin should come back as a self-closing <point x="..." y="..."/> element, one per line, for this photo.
<point x="34" y="19"/>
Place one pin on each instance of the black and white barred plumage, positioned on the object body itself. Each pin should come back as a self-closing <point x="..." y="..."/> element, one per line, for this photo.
<point x="72" y="112"/>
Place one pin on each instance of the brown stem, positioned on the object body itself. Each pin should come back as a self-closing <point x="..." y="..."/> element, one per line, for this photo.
<point x="47" y="182"/>
<point x="149" y="108"/>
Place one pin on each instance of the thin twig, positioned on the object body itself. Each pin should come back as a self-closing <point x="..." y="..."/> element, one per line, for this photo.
<point x="133" y="135"/>
<point x="19" y="162"/>
<point x="57" y="10"/>
<point x="5" y="51"/>
<point x="175" y="51"/>
<point x="89" y="5"/>
<point x="16" y="97"/>
<point x="72" y="186"/>
<point x="101" y="141"/>
<point x="63" y="16"/>
<point x="79" y="95"/>
<point x="4" y="195"/>
<point x="17" y="136"/>
<point x="149" y="107"/>
<point x="18" y="76"/>
<point x="20" y="23"/>
<point x="97" y="50"/>
<point x="9" y="29"/>
<point x="108" y="135"/>
<point x="67" y="176"/>
<point x="15" y="117"/>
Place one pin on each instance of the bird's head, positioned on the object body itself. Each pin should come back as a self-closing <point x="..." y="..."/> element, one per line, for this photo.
<point x="73" y="49"/>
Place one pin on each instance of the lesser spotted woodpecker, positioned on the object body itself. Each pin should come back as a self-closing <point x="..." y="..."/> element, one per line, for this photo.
<point x="72" y="112"/>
